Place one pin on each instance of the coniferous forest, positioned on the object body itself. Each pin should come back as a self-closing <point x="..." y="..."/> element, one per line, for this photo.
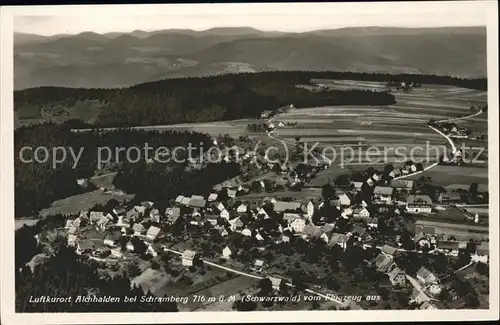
<point x="223" y="97"/>
<point x="37" y="185"/>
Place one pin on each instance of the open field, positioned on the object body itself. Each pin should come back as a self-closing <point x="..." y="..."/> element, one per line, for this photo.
<point x="19" y="223"/>
<point x="84" y="201"/>
<point x="304" y="194"/>
<point x="446" y="175"/>
<point x="366" y="136"/>
<point x="224" y="289"/>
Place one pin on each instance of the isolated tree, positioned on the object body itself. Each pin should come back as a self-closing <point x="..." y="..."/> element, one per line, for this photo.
<point x="328" y="192"/>
<point x="266" y="286"/>
<point x="473" y="189"/>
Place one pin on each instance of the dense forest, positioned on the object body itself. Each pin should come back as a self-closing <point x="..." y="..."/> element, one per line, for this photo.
<point x="160" y="183"/>
<point x="65" y="274"/>
<point x="222" y="97"/>
<point x="37" y="185"/>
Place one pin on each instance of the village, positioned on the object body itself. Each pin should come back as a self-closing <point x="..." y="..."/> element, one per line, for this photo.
<point x="373" y="214"/>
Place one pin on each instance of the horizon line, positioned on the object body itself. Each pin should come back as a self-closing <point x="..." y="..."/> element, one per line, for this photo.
<point x="253" y="28"/>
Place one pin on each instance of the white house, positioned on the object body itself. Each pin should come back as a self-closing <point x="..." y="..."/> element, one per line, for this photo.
<point x="298" y="225"/>
<point x="345" y="199"/>
<point x="357" y="185"/>
<point x="235" y="224"/>
<point x="151" y="251"/>
<point x="221" y="206"/>
<point x="212" y="197"/>
<point x="347" y="213"/>
<point x="138" y="229"/>
<point x="246" y="232"/>
<point x="241" y="208"/>
<point x="101" y="223"/>
<point x="152" y="232"/>
<point x="188" y="257"/>
<point x="227" y="252"/>
<point x="224" y="214"/>
<point x="361" y="213"/>
<point x="310" y="210"/>
<point x="263" y="212"/>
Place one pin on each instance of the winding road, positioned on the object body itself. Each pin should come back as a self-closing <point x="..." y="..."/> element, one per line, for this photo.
<point x="272" y="133"/>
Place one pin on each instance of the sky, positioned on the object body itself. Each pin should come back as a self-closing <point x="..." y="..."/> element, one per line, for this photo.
<point x="289" y="17"/>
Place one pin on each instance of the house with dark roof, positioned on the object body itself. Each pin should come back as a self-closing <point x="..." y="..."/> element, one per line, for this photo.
<point x="339" y="239"/>
<point x="402" y="184"/>
<point x="361" y="232"/>
<point x="383" y="262"/>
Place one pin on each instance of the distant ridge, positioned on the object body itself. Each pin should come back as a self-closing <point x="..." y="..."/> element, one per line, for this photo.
<point x="116" y="59"/>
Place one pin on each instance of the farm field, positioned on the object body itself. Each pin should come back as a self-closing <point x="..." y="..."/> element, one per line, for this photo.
<point x="224" y="289"/>
<point x="446" y="175"/>
<point x="304" y="194"/>
<point x="234" y="128"/>
<point x="85" y="201"/>
<point x="363" y="136"/>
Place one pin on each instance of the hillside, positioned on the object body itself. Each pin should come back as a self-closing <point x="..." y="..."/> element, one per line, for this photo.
<point x="188" y="100"/>
<point x="111" y="60"/>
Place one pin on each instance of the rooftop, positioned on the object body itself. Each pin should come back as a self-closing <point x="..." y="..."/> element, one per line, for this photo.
<point x="383" y="190"/>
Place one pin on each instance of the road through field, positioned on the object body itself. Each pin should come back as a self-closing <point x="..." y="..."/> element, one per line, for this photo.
<point x="271" y="134"/>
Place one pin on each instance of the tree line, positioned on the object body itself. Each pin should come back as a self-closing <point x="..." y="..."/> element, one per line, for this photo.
<point x="37" y="185"/>
<point x="161" y="183"/>
<point x="222" y="97"/>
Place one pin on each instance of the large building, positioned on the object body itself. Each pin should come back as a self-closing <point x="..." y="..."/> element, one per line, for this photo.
<point x="418" y="204"/>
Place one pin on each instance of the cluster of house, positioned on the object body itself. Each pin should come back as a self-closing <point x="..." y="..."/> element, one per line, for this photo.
<point x="397" y="192"/>
<point x="113" y="225"/>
